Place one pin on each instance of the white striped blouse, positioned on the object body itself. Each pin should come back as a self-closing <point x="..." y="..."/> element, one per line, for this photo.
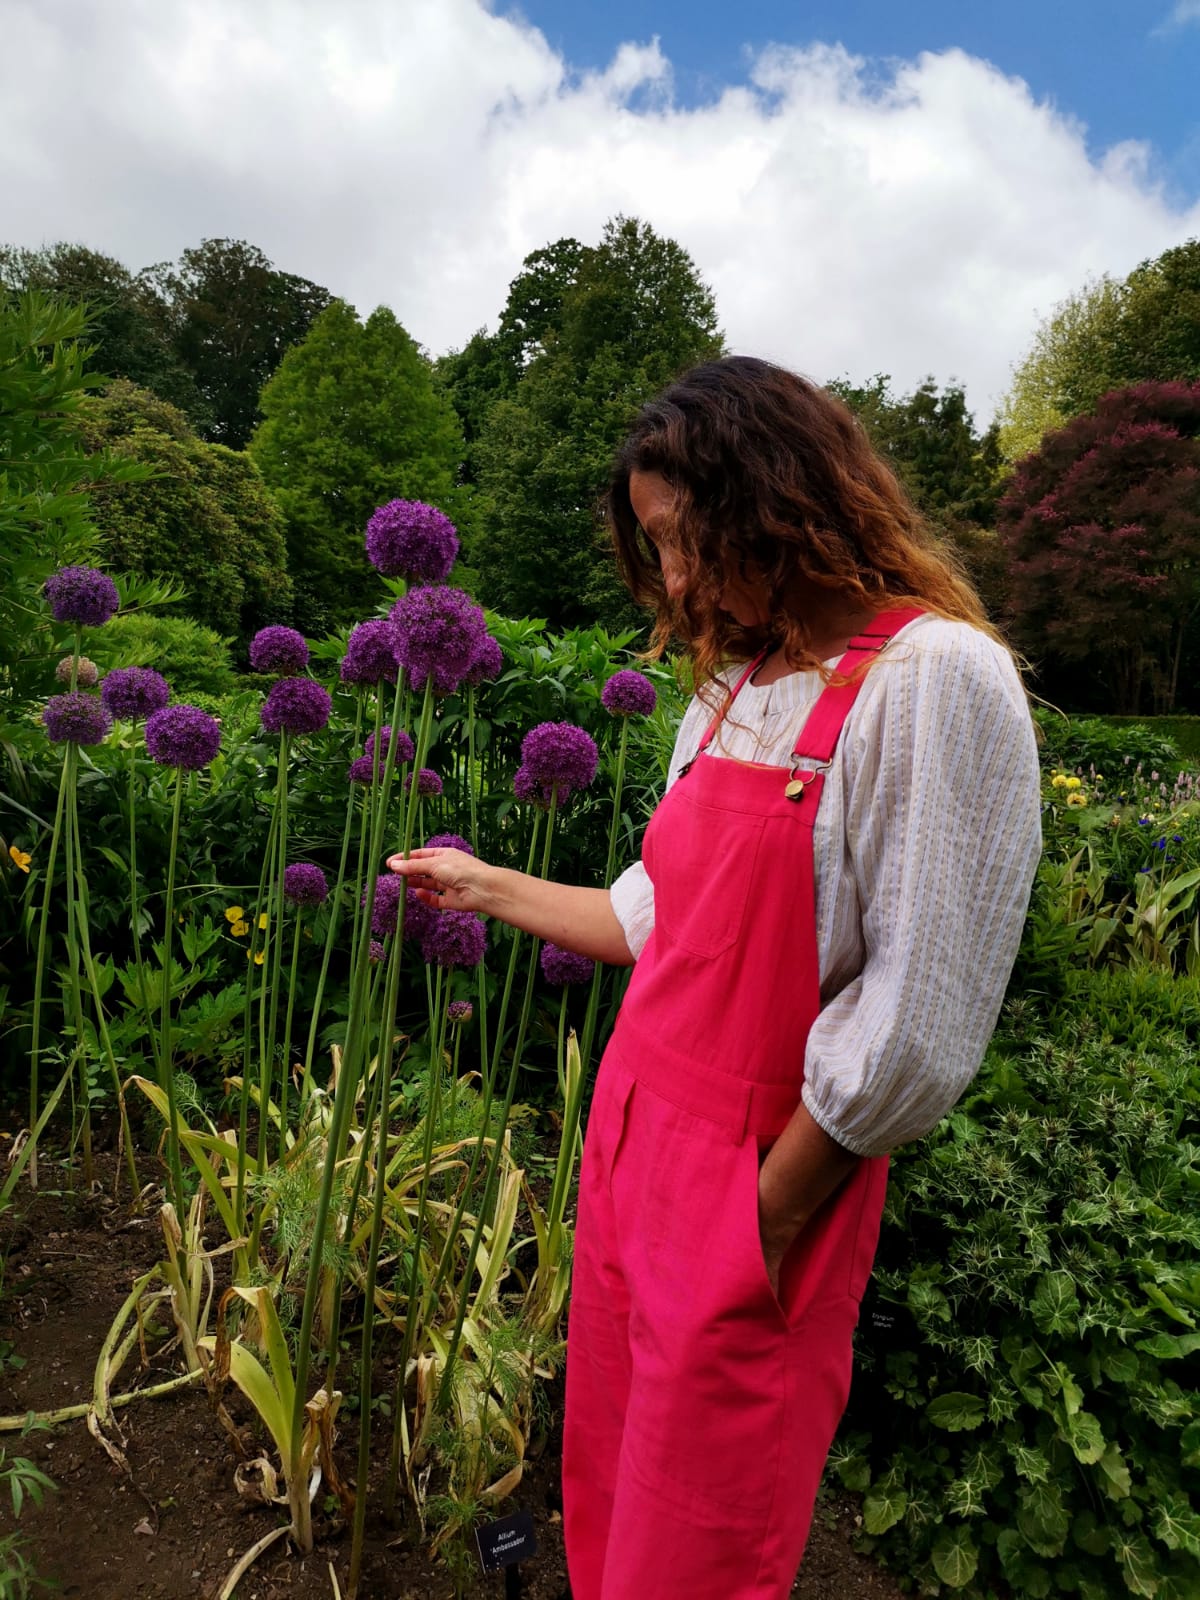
<point x="925" y="846"/>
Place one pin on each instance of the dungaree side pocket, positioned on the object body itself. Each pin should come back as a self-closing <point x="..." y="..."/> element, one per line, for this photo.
<point x="747" y="1207"/>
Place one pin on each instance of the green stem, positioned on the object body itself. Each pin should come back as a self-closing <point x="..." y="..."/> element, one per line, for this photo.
<point x="166" y="1062"/>
<point x="39" y="978"/>
<point x="287" y="1036"/>
<point x="74" y="987"/>
<point x="335" y="912"/>
<point x="471" y="768"/>
<point x="274" y="961"/>
<point x="247" y="1032"/>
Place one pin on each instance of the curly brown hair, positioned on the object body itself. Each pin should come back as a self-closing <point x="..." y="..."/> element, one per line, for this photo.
<point x="772" y="476"/>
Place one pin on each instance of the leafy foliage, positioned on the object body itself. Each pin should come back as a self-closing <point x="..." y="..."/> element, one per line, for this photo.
<point x="1110" y="335"/>
<point x="1102" y="528"/>
<point x="231" y="315"/>
<point x="203" y="518"/>
<point x="352" y="420"/>
<point x="1039" y="1262"/>
<point x="632" y="315"/>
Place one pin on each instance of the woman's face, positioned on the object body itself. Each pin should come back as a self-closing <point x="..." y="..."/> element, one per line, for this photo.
<point x="653" y="502"/>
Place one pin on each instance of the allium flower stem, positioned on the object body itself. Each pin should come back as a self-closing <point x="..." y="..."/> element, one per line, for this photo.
<point x="166" y="1069"/>
<point x="74" y="988"/>
<point x="471" y="768"/>
<point x="485" y="1205"/>
<point x="248" y="1019"/>
<point x="335" y="916"/>
<point x="272" y="967"/>
<point x="287" y="1032"/>
<point x="79" y="890"/>
<point x="357" y="1028"/>
<point x="39" y="976"/>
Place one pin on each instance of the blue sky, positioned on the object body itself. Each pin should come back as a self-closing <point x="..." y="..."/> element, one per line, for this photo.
<point x="1128" y="69"/>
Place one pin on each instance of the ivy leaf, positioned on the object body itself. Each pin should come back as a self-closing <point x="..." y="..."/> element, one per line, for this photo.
<point x="1112" y="1465"/>
<point x="1042" y="1518"/>
<point x="1170" y="1346"/>
<point x="883" y="1508"/>
<point x="1030" y="1464"/>
<point x="855" y="1473"/>
<point x="1089" y="1534"/>
<point x="1120" y="1366"/>
<point x="1178" y="1526"/>
<point x="1085" y="1437"/>
<point x="1055" y="1305"/>
<point x="955" y="1557"/>
<point x="956" y="1412"/>
<point x="1138" y="1566"/>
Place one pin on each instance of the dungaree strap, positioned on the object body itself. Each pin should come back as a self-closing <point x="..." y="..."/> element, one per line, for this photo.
<point x="818" y="737"/>
<point x="751" y="668"/>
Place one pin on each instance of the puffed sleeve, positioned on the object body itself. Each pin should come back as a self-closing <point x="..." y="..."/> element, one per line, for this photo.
<point x="943" y="834"/>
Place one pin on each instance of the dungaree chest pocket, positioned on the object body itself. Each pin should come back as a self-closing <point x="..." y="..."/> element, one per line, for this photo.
<point x="703" y="872"/>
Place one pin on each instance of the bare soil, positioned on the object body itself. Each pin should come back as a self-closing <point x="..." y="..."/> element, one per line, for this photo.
<point x="173" y="1527"/>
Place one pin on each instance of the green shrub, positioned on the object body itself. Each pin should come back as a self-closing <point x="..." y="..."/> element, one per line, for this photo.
<point x="1107" y="744"/>
<point x="193" y="659"/>
<point x="1025" y="1424"/>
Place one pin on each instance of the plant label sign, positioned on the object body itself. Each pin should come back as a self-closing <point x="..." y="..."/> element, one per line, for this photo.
<point x="508" y="1540"/>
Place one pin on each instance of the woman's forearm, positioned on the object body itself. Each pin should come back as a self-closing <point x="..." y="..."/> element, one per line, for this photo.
<point x="576" y="918"/>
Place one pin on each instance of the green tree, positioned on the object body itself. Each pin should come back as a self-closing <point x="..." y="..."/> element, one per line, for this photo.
<point x="490" y="365"/>
<point x="633" y="314"/>
<point x="45" y="473"/>
<point x="231" y="315"/>
<point x="352" y="419"/>
<point x="1145" y="329"/>
<point x="204" y="518"/>
<point x="127" y="320"/>
<point x="952" y="472"/>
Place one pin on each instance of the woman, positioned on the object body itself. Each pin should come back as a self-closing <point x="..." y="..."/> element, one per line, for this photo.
<point x="828" y="906"/>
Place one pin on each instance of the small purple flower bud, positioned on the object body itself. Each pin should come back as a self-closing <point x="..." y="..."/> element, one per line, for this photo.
<point x="87" y="673"/>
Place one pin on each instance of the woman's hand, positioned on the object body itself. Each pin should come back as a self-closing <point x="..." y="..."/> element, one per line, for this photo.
<point x="450" y="880"/>
<point x="776" y="1238"/>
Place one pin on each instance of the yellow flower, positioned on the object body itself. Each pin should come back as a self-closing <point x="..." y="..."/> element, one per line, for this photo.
<point x="1076" y="799"/>
<point x="239" y="930"/>
<point x="1099" y="777"/>
<point x="1074" y="783"/>
<point x="1116" y="821"/>
<point x="262" y="919"/>
<point x="259" y="957"/>
<point x="1058" y="781"/>
<point x="19" y="858"/>
<point x="234" y="914"/>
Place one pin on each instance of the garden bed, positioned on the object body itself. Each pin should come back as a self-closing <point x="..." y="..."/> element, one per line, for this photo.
<point x="175" y="1530"/>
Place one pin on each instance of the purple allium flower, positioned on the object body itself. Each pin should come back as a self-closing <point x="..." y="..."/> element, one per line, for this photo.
<point x="409" y="539"/>
<point x="82" y="595"/>
<point x="488" y="662"/>
<point x="388" y="891"/>
<point x="449" y="841"/>
<point x="134" y="692"/>
<point x="376" y="951"/>
<point x="295" y="705"/>
<point x="454" y="939"/>
<point x="428" y="782"/>
<point x="556" y="759"/>
<point x="403" y="748"/>
<point x="460" y="1011"/>
<point x="278" y="649"/>
<point x="417" y="917"/>
<point x="304" y="884"/>
<point x="438" y="635"/>
<point x="362" y="770"/>
<point x="87" y="673"/>
<point x="182" y="736"/>
<point x="76" y="718"/>
<point x="629" y="694"/>
<point x="370" y="653"/>
<point x="524" y="787"/>
<point x="561" y="967"/>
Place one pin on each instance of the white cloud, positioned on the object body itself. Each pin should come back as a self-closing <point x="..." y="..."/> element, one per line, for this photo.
<point x="852" y="217"/>
<point x="1180" y="15"/>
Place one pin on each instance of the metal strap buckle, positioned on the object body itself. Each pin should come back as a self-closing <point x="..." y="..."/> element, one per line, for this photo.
<point x="803" y="770"/>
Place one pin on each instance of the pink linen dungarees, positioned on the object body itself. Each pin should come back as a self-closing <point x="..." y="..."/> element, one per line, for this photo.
<point x="701" y="1407"/>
